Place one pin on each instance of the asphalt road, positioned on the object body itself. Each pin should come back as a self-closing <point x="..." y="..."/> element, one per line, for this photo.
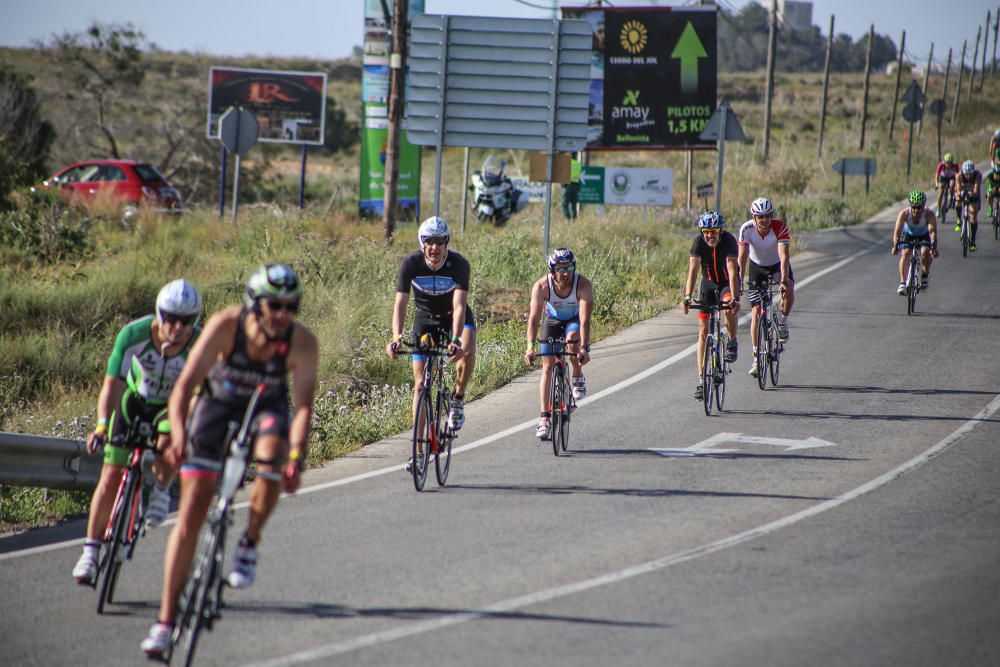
<point x="879" y="547"/>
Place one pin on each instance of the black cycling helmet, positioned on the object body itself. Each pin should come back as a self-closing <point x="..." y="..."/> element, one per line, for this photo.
<point x="277" y="281"/>
<point x="561" y="256"/>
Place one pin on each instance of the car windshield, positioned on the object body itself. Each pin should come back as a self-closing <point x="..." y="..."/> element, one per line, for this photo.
<point x="148" y="172"/>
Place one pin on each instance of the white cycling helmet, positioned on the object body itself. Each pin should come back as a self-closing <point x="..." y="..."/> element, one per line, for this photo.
<point x="433" y="226"/>
<point x="968" y="167"/>
<point x="761" y="206"/>
<point x="996" y="134"/>
<point x="178" y="297"/>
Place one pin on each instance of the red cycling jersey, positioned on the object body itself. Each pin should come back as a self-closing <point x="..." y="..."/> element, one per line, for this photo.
<point x="946" y="171"/>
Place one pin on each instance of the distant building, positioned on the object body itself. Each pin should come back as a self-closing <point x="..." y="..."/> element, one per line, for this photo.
<point x="794" y="14"/>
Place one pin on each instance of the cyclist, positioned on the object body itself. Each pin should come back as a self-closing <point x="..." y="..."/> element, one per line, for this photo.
<point x="995" y="147"/>
<point x="944" y="178"/>
<point x="240" y="348"/>
<point x="148" y="355"/>
<point x="764" y="242"/>
<point x="991" y="183"/>
<point x="915" y="224"/>
<point x="567" y="299"/>
<point x="439" y="278"/>
<point x="968" y="186"/>
<point x="714" y="252"/>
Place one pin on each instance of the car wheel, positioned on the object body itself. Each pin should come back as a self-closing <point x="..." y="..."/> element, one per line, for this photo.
<point x="130" y="212"/>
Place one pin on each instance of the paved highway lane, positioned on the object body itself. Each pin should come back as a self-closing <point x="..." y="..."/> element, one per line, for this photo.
<point x="762" y="554"/>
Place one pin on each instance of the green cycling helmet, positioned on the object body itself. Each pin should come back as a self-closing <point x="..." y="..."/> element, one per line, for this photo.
<point x="917" y="198"/>
<point x="277" y="281"/>
<point x="949" y="157"/>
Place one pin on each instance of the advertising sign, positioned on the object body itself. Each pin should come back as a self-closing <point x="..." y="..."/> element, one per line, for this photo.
<point x="653" y="76"/>
<point x="375" y="123"/>
<point x="626" y="186"/>
<point x="290" y="107"/>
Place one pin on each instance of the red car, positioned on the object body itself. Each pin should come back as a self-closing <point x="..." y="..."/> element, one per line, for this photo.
<point x="132" y="182"/>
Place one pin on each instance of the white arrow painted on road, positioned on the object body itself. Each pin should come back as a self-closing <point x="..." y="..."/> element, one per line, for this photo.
<point x="707" y="447"/>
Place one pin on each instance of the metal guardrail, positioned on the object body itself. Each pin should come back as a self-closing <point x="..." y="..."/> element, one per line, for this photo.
<point x="54" y="463"/>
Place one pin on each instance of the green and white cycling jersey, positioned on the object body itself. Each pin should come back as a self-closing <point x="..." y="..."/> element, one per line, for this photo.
<point x="136" y="360"/>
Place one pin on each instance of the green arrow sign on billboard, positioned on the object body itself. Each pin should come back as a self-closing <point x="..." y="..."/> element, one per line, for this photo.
<point x="591" y="185"/>
<point x="689" y="51"/>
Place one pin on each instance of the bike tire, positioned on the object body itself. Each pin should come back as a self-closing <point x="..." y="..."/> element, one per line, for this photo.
<point x="568" y="406"/>
<point x="422" y="425"/>
<point x="708" y="374"/>
<point x="119" y="522"/>
<point x="207" y="576"/>
<point x="762" y="351"/>
<point x="911" y="288"/>
<point x="774" y="355"/>
<point x="965" y="236"/>
<point x="442" y="457"/>
<point x="720" y="372"/>
<point x="556" y="396"/>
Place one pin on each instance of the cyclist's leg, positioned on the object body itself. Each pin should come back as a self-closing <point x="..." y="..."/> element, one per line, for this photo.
<point x="270" y="451"/>
<point x="572" y="334"/>
<point x="940" y="196"/>
<point x="465" y="365"/>
<point x="904" y="260"/>
<point x="974" y="217"/>
<point x="788" y="298"/>
<point x="116" y="457"/>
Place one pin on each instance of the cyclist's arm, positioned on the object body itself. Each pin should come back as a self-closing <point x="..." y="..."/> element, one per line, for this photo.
<point x="459" y="302"/>
<point x="898" y="228"/>
<point x="585" y="294"/>
<point x="399" y="314"/>
<point x="742" y="259"/>
<point x="694" y="266"/>
<point x="303" y="362"/>
<point x="932" y="227"/>
<point x="734" y="277"/>
<point x="535" y="311"/>
<point x="784" y="254"/>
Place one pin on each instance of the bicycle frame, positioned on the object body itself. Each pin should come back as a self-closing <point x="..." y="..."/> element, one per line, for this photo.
<point x="432" y="435"/>
<point x="561" y="402"/>
<point x="769" y="348"/>
<point x="714" y="366"/>
<point x="914" y="272"/>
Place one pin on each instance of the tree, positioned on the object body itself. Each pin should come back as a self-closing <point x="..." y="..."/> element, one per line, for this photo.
<point x="25" y="137"/>
<point x="104" y="64"/>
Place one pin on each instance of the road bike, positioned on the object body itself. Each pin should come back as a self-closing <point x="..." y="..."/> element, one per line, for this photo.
<point x="714" y="367"/>
<point x="966" y="223"/>
<point x="126" y="523"/>
<point x="561" y="403"/>
<point x="913" y="276"/>
<point x="201" y="602"/>
<point x="769" y="348"/>
<point x="995" y="219"/>
<point x="432" y="433"/>
<point x="947" y="202"/>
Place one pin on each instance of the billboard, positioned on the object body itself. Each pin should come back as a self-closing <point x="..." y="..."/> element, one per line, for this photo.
<point x="375" y="121"/>
<point x="653" y="76"/>
<point x="290" y="107"/>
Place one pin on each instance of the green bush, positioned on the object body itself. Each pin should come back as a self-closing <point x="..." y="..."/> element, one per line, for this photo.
<point x="40" y="228"/>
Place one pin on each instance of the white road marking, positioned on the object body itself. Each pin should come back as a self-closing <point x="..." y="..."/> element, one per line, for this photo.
<point x="707" y="446"/>
<point x="408" y="630"/>
<point x="639" y="377"/>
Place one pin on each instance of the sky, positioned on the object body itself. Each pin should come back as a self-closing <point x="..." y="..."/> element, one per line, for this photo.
<point x="330" y="29"/>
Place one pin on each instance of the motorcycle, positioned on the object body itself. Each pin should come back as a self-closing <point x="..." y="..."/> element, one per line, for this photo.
<point x="495" y="198"/>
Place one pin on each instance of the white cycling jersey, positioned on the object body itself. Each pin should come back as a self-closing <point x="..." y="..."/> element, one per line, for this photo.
<point x="764" y="249"/>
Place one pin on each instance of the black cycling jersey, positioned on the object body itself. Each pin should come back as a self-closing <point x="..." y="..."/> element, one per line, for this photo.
<point x="234" y="380"/>
<point x="713" y="260"/>
<point x="433" y="290"/>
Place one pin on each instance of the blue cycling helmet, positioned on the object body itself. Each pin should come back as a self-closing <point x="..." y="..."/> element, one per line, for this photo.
<point x="711" y="220"/>
<point x="561" y="256"/>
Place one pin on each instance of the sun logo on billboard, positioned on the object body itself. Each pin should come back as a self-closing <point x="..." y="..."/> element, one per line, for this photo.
<point x="634" y="36"/>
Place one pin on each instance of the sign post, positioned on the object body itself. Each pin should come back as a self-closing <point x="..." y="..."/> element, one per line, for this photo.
<point x="937" y="108"/>
<point x="722" y="126"/>
<point x="854" y="166"/>
<point x="238" y="130"/>
<point x="912" y="112"/>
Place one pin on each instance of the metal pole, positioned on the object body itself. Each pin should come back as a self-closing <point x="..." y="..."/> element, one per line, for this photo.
<point x="772" y="37"/>
<point x="826" y="87"/>
<point x="958" y="89"/>
<point x="947" y="75"/>
<point x="927" y="81"/>
<point x="975" y="56"/>
<point x="222" y="182"/>
<point x="723" y="108"/>
<point x="986" y="41"/>
<point x="397" y="75"/>
<point x="236" y="186"/>
<point x="465" y="189"/>
<point x="302" y="177"/>
<point x="996" y="26"/>
<point x="909" y="150"/>
<point x="868" y="76"/>
<point x="440" y="144"/>
<point x="690" y="169"/>
<point x="940" y="119"/>
<point x="899" y="75"/>
<point x="551" y="139"/>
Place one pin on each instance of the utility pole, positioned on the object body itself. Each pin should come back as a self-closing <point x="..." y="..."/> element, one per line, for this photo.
<point x="826" y="87"/>
<point x="868" y="78"/>
<point x="927" y="81"/>
<point x="947" y="75"/>
<point x="975" y="56"/>
<point x="772" y="38"/>
<point x="895" y="94"/>
<point x="986" y="41"/>
<point x="397" y="76"/>
<point x="958" y="89"/>
<point x="996" y="26"/>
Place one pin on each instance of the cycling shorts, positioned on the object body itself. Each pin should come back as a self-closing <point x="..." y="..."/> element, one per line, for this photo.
<point x="906" y="240"/>
<point x="977" y="202"/>
<point x="555" y="328"/>
<point x="758" y="277"/>
<point x="439" y="329"/>
<point x="209" y="424"/>
<point x="712" y="294"/>
<point x="117" y="451"/>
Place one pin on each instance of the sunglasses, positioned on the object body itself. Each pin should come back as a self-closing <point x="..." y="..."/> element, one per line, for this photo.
<point x="290" y="306"/>
<point x="563" y="269"/>
<point x="710" y="232"/>
<point x="436" y="240"/>
<point x="172" y="318"/>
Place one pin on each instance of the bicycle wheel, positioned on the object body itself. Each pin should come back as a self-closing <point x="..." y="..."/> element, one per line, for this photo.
<point x="556" y="396"/>
<point x="762" y="350"/>
<point x="204" y="576"/>
<point x="422" y="425"/>
<point x="119" y="521"/>
<point x="720" y="371"/>
<point x="442" y="457"/>
<point x="911" y="288"/>
<point x="965" y="235"/>
<point x="996" y="223"/>
<point x="708" y="374"/>
<point x="774" y="351"/>
<point x="567" y="412"/>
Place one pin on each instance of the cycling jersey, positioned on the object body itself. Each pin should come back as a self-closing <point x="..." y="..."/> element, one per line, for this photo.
<point x="916" y="227"/>
<point x="968" y="182"/>
<point x="992" y="181"/>
<point x="946" y="171"/>
<point x="149" y="377"/>
<point x="764" y="249"/>
<point x="433" y="290"/>
<point x="713" y="260"/>
<point x="562" y="314"/>
<point x="233" y="380"/>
